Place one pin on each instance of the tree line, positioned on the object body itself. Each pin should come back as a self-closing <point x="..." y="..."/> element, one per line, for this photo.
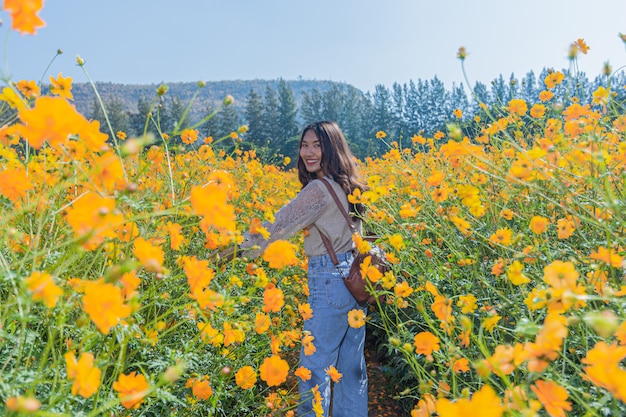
<point x="274" y="117"/>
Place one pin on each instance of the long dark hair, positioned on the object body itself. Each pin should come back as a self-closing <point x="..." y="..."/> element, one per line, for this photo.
<point x="337" y="160"/>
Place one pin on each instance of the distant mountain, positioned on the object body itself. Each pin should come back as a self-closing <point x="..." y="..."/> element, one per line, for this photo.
<point x="212" y="93"/>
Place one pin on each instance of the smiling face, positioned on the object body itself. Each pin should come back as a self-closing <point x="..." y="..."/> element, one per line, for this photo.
<point x="311" y="153"/>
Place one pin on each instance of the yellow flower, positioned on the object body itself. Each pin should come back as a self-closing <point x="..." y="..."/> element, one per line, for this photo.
<point x="380" y="135"/>
<point x="396" y="241"/>
<point x="61" y="86"/>
<point x="490" y="323"/>
<point x="515" y="275"/>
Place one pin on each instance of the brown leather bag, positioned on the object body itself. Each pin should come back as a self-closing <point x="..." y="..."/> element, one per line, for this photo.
<point x="359" y="287"/>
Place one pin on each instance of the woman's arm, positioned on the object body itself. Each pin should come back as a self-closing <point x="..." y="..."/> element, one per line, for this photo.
<point x="299" y="213"/>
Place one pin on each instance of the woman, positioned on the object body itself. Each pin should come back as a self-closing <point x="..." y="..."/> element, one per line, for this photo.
<point x="324" y="152"/>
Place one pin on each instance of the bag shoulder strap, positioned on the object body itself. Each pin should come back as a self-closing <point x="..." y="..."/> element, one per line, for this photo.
<point x="329" y="247"/>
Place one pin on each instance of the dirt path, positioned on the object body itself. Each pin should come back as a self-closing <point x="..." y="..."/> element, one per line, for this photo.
<point x="381" y="402"/>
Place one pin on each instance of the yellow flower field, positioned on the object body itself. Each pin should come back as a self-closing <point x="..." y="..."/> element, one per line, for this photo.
<point x="506" y="296"/>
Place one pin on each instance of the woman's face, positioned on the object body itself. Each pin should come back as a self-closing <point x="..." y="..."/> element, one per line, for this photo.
<point x="311" y="153"/>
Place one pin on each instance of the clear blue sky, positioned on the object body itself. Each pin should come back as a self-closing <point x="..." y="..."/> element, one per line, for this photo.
<point x="361" y="42"/>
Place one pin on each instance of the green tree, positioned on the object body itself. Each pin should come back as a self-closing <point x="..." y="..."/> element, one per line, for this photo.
<point x="253" y="113"/>
<point x="287" y="110"/>
<point x="312" y="106"/>
<point x="270" y="118"/>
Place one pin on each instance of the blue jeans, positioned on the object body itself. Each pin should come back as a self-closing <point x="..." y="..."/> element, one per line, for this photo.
<point x="335" y="341"/>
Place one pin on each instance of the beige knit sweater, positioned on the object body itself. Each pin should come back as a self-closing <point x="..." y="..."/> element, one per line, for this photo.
<point x="312" y="206"/>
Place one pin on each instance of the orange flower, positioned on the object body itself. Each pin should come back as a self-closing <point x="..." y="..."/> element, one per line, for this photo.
<point x="245" y="378"/>
<point x="201" y="388"/>
<point x="380" y="135"/>
<point x="104" y="303"/>
<point x="132" y="389"/>
<point x="151" y="257"/>
<point x="176" y="237"/>
<point x="333" y="373"/>
<point x="552" y="396"/>
<point x="130" y="282"/>
<point x="199" y="275"/>
<point x="538" y="224"/>
<point x="425" y="343"/>
<point x="262" y="323"/>
<point x="211" y="202"/>
<point x="43" y="288"/>
<point x="608" y="256"/>
<point x="484" y="402"/>
<point x="538" y="111"/>
<point x="553" y="79"/>
<point x="51" y="119"/>
<point x="502" y="237"/>
<point x="460" y="365"/>
<point x="29" y="89"/>
<point x="356" y="318"/>
<point x="24" y="15"/>
<point x="565" y="228"/>
<point x="307" y="344"/>
<point x="545" y="95"/>
<point x="604" y="368"/>
<point x="518" y="107"/>
<point x="305" y="311"/>
<point x="189" y="136"/>
<point x="233" y="334"/>
<point x="61" y="86"/>
<point x="303" y="373"/>
<point x="280" y="254"/>
<point x="370" y="271"/>
<point x="93" y="218"/>
<point x="274" y="370"/>
<point x="561" y="275"/>
<point x="582" y="46"/>
<point x="273" y="299"/>
<point x="86" y="376"/>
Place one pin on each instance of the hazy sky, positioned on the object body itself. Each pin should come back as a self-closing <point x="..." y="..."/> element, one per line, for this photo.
<point x="361" y="42"/>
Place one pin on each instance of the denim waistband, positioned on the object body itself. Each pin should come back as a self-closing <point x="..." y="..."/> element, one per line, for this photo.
<point x="322" y="261"/>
